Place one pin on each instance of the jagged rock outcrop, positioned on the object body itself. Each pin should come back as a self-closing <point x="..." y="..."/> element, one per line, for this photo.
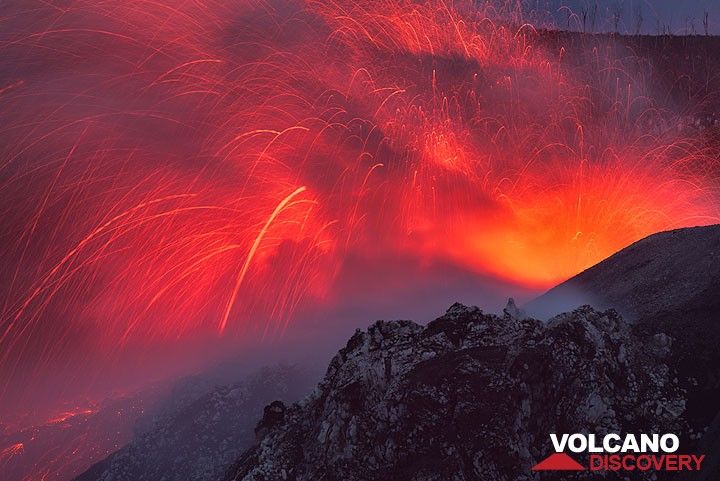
<point x="470" y="396"/>
<point x="668" y="285"/>
<point x="512" y="310"/>
<point x="198" y="440"/>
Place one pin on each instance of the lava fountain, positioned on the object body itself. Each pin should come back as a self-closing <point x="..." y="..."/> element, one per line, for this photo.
<point x="175" y="168"/>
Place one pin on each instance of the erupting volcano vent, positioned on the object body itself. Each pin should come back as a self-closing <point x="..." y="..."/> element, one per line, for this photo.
<point x="173" y="169"/>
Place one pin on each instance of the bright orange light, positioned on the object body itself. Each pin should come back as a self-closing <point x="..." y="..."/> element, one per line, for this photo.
<point x="172" y="171"/>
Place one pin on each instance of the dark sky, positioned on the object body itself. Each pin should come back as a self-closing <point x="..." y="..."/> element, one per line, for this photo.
<point x="679" y="16"/>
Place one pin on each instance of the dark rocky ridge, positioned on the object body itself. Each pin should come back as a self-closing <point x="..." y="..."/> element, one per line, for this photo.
<point x="470" y="396"/>
<point x="473" y="396"/>
<point x="666" y="283"/>
<point x="652" y="279"/>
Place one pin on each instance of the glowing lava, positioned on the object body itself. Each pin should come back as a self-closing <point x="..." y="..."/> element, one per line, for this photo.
<point x="176" y="168"/>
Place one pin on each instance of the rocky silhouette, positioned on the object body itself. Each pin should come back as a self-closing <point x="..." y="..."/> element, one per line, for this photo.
<point x="474" y="396"/>
<point x="668" y="285"/>
<point x="470" y="396"/>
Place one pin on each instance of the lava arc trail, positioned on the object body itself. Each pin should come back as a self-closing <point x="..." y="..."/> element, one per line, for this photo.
<point x="171" y="169"/>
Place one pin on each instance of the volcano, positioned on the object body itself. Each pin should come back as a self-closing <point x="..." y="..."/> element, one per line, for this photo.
<point x="470" y="395"/>
<point x="473" y="395"/>
<point x="183" y="183"/>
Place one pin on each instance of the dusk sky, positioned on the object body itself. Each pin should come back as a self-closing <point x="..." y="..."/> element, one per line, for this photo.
<point x="680" y="17"/>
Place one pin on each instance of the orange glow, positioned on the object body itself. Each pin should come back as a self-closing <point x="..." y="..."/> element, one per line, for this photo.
<point x="177" y="171"/>
<point x="547" y="236"/>
<point x="64" y="416"/>
<point x="206" y="168"/>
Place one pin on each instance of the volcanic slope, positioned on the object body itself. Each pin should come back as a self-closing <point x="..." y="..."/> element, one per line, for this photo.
<point x="665" y="283"/>
<point x="668" y="285"/>
<point x="649" y="281"/>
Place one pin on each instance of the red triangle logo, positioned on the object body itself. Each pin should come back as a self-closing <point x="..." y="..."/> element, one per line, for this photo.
<point x="558" y="462"/>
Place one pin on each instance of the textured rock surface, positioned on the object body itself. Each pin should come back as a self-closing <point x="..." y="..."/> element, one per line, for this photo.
<point x="668" y="284"/>
<point x="468" y="397"/>
<point x="196" y="441"/>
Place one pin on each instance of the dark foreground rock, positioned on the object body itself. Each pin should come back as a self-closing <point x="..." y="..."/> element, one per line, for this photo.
<point x="668" y="285"/>
<point x="468" y="397"/>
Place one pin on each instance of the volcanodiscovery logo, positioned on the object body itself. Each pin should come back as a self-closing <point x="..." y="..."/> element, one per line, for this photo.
<point x="613" y="452"/>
